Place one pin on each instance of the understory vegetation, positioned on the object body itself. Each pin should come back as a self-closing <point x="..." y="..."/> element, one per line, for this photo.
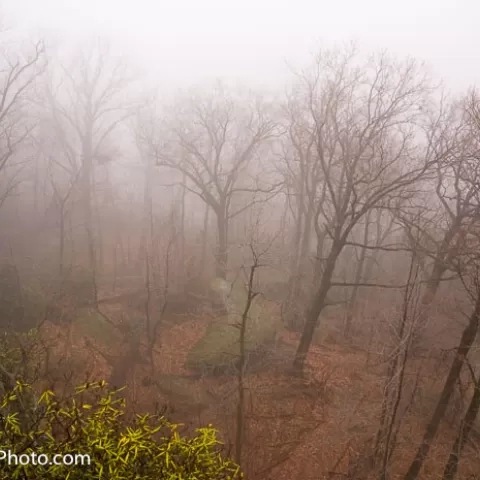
<point x="90" y="424"/>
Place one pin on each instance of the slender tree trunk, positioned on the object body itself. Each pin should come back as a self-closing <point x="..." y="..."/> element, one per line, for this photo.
<point x="87" y="166"/>
<point x="283" y="228"/>
<point x="358" y="278"/>
<point x="296" y="295"/>
<point x="390" y="387"/>
<point x="296" y="241"/>
<point x="303" y="262"/>
<point x="306" y="240"/>
<point x="98" y="230"/>
<point x="61" y="253"/>
<point x="463" y="434"/>
<point x="428" y="297"/>
<point x="435" y="277"/>
<point x="182" y="224"/>
<point x="317" y="274"/>
<point x="72" y="258"/>
<point x="370" y="262"/>
<point x="399" y="362"/>
<point x="466" y="342"/>
<point x="296" y="247"/>
<point x="386" y="401"/>
<point x="320" y="233"/>
<point x="371" y="259"/>
<point x="147" y="241"/>
<point x="222" y="252"/>
<point x="240" y="420"/>
<point x="205" y="234"/>
<point x="432" y="285"/>
<point x="295" y="259"/>
<point x="316" y="307"/>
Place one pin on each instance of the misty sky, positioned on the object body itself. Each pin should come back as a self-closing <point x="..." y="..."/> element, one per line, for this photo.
<point x="184" y="42"/>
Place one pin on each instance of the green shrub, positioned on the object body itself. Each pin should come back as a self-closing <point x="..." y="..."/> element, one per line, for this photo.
<point x="92" y="422"/>
<point x="20" y="356"/>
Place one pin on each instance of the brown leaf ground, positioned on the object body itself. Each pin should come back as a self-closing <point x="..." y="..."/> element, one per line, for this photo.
<point x="296" y="429"/>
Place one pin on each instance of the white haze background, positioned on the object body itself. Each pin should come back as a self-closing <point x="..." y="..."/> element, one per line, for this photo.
<point x="181" y="43"/>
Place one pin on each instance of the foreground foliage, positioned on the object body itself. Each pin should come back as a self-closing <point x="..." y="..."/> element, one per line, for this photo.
<point x="92" y="422"/>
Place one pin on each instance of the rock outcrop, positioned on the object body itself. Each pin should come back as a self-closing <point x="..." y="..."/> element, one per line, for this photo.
<point x="218" y="351"/>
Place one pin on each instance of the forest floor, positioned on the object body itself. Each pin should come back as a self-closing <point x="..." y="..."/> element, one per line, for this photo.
<point x="317" y="428"/>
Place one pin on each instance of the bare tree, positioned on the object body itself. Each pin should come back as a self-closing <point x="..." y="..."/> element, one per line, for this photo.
<point x="365" y="122"/>
<point x="391" y="412"/>
<point x="464" y="432"/>
<point x="304" y="179"/>
<point x="466" y="342"/>
<point x="446" y="225"/>
<point x="251" y="294"/>
<point x="205" y="233"/>
<point x="358" y="277"/>
<point x="212" y="141"/>
<point x="19" y="73"/>
<point x="87" y="103"/>
<point x="61" y="197"/>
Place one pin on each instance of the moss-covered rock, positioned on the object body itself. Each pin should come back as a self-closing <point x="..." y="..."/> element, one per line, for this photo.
<point x="218" y="351"/>
<point x="92" y="324"/>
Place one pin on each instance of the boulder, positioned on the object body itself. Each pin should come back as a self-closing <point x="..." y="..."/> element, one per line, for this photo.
<point x="218" y="351"/>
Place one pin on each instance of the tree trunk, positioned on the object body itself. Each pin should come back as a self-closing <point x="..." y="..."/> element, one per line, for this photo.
<point x="183" y="261"/>
<point x="468" y="337"/>
<point x="317" y="274"/>
<point x="98" y="224"/>
<point x="463" y="434"/>
<point x="222" y="253"/>
<point x="205" y="233"/>
<point x="87" y="166"/>
<point x="61" y="253"/>
<point x="395" y="381"/>
<point x="297" y="239"/>
<point x="297" y="288"/>
<point x="242" y="364"/>
<point x="433" y="283"/>
<point x="435" y="277"/>
<point x="316" y="307"/>
<point x="72" y="256"/>
<point x="303" y="261"/>
<point x="306" y="239"/>
<point x="283" y="229"/>
<point x="147" y="247"/>
<point x="294" y="264"/>
<point x="358" y="278"/>
<point x="371" y="259"/>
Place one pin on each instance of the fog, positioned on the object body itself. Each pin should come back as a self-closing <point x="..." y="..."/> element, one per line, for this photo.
<point x="261" y="218"/>
<point x="184" y="42"/>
